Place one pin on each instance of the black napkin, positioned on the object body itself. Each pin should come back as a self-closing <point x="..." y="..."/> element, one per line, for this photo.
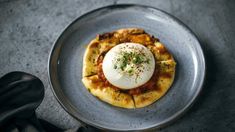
<point x="20" y="95"/>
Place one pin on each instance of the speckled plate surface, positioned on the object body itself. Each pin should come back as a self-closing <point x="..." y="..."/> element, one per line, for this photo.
<point x="65" y="68"/>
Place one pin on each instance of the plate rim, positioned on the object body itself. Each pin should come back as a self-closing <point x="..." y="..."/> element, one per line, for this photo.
<point x="164" y="123"/>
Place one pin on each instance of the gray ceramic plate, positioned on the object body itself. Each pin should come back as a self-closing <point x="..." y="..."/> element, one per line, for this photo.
<point x="65" y="68"/>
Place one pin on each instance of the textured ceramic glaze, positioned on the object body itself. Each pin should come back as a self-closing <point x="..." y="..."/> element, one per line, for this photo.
<point x="65" y="68"/>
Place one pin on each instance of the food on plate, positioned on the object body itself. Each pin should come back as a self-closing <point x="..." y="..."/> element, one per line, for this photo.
<point x="128" y="65"/>
<point x="127" y="68"/>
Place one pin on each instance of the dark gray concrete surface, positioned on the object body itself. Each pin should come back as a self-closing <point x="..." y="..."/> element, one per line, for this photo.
<point x="28" y="29"/>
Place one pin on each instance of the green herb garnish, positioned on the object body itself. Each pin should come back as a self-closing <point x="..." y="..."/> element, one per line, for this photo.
<point x="126" y="59"/>
<point x="130" y="71"/>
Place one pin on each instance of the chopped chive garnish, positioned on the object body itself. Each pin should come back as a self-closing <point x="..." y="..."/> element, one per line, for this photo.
<point x="129" y="62"/>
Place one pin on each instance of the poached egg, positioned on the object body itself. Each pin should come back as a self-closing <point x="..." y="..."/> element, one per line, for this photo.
<point x="128" y="65"/>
